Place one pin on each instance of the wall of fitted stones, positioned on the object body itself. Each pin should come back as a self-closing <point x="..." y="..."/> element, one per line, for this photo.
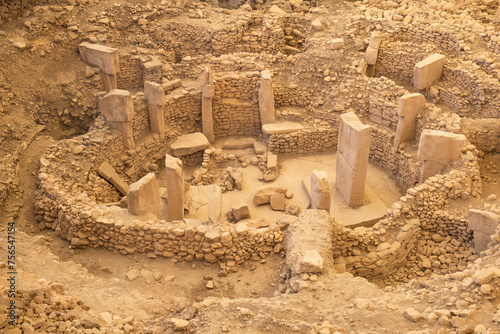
<point x="397" y="60"/>
<point x="291" y="96"/>
<point x="130" y="75"/>
<point x="483" y="133"/>
<point x="309" y="140"/>
<point x="182" y="113"/>
<point x="236" y="104"/>
<point x="140" y="122"/>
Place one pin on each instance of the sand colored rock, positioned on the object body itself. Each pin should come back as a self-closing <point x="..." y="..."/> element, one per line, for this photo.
<point x="175" y="188"/>
<point x="409" y="106"/>
<point x="320" y="191"/>
<point x="108" y="172"/>
<point x="144" y="196"/>
<point x="428" y="71"/>
<point x="118" y="108"/>
<point x="207" y="119"/>
<point x="266" y="98"/>
<point x="156" y="100"/>
<point x="190" y="143"/>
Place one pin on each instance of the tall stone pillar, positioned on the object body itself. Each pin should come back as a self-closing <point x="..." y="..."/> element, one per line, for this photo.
<point x="353" y="151"/>
<point x="320" y="191"/>
<point x="175" y="188"/>
<point x="409" y="106"/>
<point x="105" y="58"/>
<point x="266" y="98"/>
<point x="207" y="119"/>
<point x="118" y="108"/>
<point x="156" y="100"/>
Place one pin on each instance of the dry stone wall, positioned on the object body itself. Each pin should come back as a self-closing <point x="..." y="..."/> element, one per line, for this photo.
<point x="130" y="75"/>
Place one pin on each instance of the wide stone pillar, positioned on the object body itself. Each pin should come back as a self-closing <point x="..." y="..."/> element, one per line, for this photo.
<point x="207" y="119"/>
<point x="353" y="151"/>
<point x="409" y="107"/>
<point x="321" y="195"/>
<point x="156" y="100"/>
<point x="438" y="149"/>
<point x="175" y="188"/>
<point x="118" y="108"/>
<point x="105" y="58"/>
<point x="144" y="196"/>
<point x="428" y="71"/>
<point x="266" y="98"/>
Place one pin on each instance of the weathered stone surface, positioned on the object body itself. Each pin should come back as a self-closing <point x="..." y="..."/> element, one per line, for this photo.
<point x="240" y="210"/>
<point x="277" y="201"/>
<point x="352" y="158"/>
<point x="214" y="203"/>
<point x="104" y="57"/>
<point x="207" y="119"/>
<point x="310" y="262"/>
<point x="108" y="172"/>
<point x="409" y="106"/>
<point x="175" y="188"/>
<point x="266" y="96"/>
<point x="189" y="144"/>
<point x="337" y="43"/>
<point x="411" y="314"/>
<point x="320" y="191"/>
<point x="263" y="194"/>
<point x="117" y="106"/>
<point x="428" y="71"/>
<point x="156" y="100"/>
<point x="144" y="196"/>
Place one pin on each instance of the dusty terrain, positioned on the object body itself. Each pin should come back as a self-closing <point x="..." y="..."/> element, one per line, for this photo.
<point x="47" y="95"/>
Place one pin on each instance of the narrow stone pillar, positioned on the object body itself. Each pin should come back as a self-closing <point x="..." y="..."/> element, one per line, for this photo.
<point x="438" y="149"/>
<point x="105" y="58"/>
<point x="353" y="151"/>
<point x="321" y="195"/>
<point x="409" y="106"/>
<point x="266" y="98"/>
<point x="175" y="188"/>
<point x="144" y="196"/>
<point x="428" y="71"/>
<point x="207" y="94"/>
<point x="156" y="100"/>
<point x="118" y="108"/>
<point x="372" y="50"/>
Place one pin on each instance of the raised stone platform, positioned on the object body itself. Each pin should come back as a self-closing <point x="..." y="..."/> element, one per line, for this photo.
<point x="189" y="144"/>
<point x="366" y="215"/>
<point x="281" y="127"/>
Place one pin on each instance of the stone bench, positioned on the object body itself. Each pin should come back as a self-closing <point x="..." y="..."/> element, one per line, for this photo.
<point x="281" y="127"/>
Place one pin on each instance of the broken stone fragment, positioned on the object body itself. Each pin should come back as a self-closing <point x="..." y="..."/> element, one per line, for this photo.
<point x="240" y="210"/>
<point x="411" y="314"/>
<point x="263" y="195"/>
<point x="310" y="262"/>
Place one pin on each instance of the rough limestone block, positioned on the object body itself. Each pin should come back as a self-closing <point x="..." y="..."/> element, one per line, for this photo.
<point x="372" y="50"/>
<point x="155" y="97"/>
<point x="266" y="98"/>
<point x="272" y="162"/>
<point x="108" y="172"/>
<point x="497" y="16"/>
<point x="352" y="158"/>
<point x="320" y="191"/>
<point x="440" y="146"/>
<point x="214" y="203"/>
<point x="189" y="144"/>
<point x="144" y="196"/>
<point x="263" y="194"/>
<point x="175" y="188"/>
<point x="428" y="71"/>
<point x="337" y="43"/>
<point x="104" y="57"/>
<point x="152" y="65"/>
<point x="408" y="109"/>
<point x="483" y="221"/>
<point x="276" y="10"/>
<point x="310" y="262"/>
<point x="277" y="201"/>
<point x="240" y="210"/>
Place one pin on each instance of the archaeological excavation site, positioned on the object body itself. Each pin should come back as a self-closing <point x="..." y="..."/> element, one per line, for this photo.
<point x="278" y="166"/>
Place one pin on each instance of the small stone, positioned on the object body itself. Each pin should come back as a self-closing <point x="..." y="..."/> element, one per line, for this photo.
<point x="411" y="314"/>
<point x="180" y="324"/>
<point x="210" y="285"/>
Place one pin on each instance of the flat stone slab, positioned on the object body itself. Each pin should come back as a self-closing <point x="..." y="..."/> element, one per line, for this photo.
<point x="189" y="144"/>
<point x="108" y="172"/>
<point x="281" y="127"/>
<point x="366" y="215"/>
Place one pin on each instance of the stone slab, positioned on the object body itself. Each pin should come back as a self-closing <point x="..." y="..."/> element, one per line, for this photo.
<point x="144" y="196"/>
<point x="440" y="146"/>
<point x="104" y="57"/>
<point x="281" y="127"/>
<point x="428" y="71"/>
<point x="117" y="106"/>
<point x="108" y="172"/>
<point x="189" y="144"/>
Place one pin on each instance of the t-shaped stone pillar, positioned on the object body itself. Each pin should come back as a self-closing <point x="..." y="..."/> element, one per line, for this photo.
<point x="105" y="58"/>
<point x="118" y="108"/>
<point x="266" y="98"/>
<point x="207" y="94"/>
<point x="321" y="195"/>
<point x="175" y="188"/>
<point x="428" y="71"/>
<point x="156" y="100"/>
<point x="353" y="151"/>
<point x="409" y="106"/>
<point x="144" y="196"/>
<point x="438" y="149"/>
